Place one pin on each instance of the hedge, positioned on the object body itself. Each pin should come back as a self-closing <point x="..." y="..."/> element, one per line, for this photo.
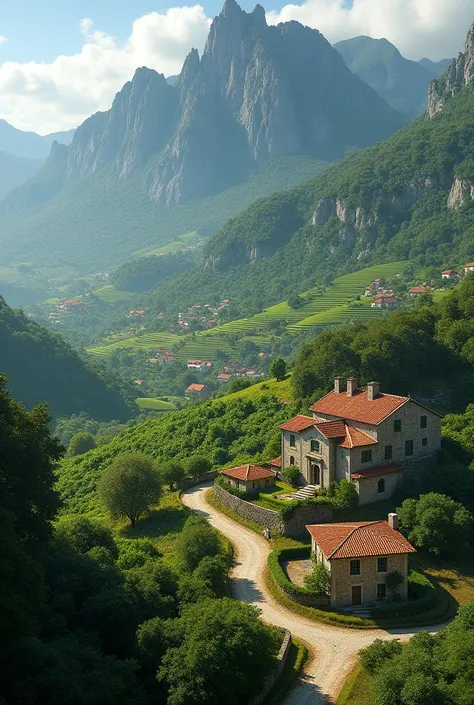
<point x="423" y="592"/>
<point x="288" y="507"/>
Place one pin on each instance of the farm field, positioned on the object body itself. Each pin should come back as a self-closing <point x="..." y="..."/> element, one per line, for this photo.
<point x="323" y="309"/>
<point x="155" y="404"/>
<point x="174" y="246"/>
<point x="329" y="308"/>
<point x="110" y="295"/>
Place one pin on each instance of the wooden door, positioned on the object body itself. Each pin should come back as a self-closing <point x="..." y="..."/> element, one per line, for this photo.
<point x="356" y="594"/>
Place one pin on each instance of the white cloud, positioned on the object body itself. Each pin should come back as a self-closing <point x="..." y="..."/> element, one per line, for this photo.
<point x="61" y="94"/>
<point x="53" y="96"/>
<point x="2" y="39"/>
<point x="433" y="28"/>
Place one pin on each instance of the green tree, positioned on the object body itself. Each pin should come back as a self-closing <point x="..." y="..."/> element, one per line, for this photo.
<point x="80" y="443"/>
<point x="344" y="494"/>
<point x="222" y="653"/>
<point x="291" y="474"/>
<point x="83" y="533"/>
<point x="198" y="465"/>
<point x="171" y="472"/>
<point x="278" y="369"/>
<point x="381" y="650"/>
<point x="197" y="540"/>
<point x="295" y="301"/>
<point x="129" y="486"/>
<point x="435" y="523"/>
<point x="319" y="580"/>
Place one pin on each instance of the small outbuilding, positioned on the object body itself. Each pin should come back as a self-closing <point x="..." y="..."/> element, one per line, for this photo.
<point x="250" y="478"/>
<point x="360" y="557"/>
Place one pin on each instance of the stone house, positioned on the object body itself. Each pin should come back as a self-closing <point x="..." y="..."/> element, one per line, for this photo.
<point x="249" y="478"/>
<point x="359" y="557"/>
<point x="361" y="435"/>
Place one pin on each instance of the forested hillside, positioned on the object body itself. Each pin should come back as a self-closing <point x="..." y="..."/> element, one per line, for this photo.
<point x="42" y="368"/>
<point x="408" y="198"/>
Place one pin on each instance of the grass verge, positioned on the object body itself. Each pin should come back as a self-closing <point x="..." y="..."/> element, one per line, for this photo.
<point x="357" y="689"/>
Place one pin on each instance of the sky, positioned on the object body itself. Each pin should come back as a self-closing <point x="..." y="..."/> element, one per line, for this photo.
<point x="62" y="60"/>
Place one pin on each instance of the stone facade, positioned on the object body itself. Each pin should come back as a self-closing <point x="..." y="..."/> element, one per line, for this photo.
<point x="292" y="526"/>
<point x="408" y="436"/>
<point x="342" y="581"/>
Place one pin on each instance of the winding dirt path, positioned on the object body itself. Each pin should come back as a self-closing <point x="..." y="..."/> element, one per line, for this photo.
<point x="333" y="650"/>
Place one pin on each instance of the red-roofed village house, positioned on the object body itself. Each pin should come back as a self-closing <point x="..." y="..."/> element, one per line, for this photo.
<point x="360" y="556"/>
<point x="361" y="435"/>
<point x="249" y="478"/>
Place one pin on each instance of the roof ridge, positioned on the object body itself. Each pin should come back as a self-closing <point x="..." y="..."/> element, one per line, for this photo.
<point x="363" y="525"/>
<point x="342" y="542"/>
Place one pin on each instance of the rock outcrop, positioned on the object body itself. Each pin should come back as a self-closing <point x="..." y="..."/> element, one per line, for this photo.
<point x="257" y="92"/>
<point x="462" y="191"/>
<point x="458" y="75"/>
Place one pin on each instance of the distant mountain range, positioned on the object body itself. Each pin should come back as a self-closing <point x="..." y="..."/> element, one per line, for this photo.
<point x="30" y="145"/>
<point x="258" y="93"/>
<point x="401" y="82"/>
<point x="408" y="198"/>
<point x="15" y="171"/>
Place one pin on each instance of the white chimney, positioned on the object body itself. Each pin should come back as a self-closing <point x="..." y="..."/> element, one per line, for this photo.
<point x="373" y="388"/>
<point x="393" y="520"/>
<point x="351" y="386"/>
<point x="338" y="385"/>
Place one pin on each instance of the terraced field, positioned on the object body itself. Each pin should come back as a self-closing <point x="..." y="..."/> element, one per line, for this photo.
<point x="155" y="404"/>
<point x="149" y="341"/>
<point x="174" y="246"/>
<point x="329" y="308"/>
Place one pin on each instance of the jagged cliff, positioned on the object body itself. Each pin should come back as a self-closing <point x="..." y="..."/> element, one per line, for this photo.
<point x="458" y="75"/>
<point x="258" y="92"/>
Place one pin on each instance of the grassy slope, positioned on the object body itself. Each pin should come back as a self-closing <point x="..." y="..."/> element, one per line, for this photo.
<point x="100" y="221"/>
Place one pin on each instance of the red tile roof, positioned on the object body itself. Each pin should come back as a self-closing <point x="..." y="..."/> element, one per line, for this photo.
<point x="356" y="438"/>
<point x="359" y="539"/>
<point x="249" y="473"/>
<point x="469" y="264"/>
<point x="358" y="407"/>
<point x="276" y="462"/>
<point x="298" y="423"/>
<point x="379" y="470"/>
<point x="448" y="271"/>
<point x="224" y="376"/>
<point x="195" y="387"/>
<point x="419" y="290"/>
<point x="332" y="429"/>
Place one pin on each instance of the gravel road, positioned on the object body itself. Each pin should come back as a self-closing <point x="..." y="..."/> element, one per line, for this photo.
<point x="333" y="650"/>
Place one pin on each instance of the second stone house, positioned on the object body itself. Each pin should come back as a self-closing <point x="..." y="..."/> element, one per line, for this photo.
<point x="362" y="435"/>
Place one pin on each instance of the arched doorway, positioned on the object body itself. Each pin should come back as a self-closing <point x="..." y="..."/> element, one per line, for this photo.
<point x="314" y="475"/>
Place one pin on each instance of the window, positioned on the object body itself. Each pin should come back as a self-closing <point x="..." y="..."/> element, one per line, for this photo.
<point x="315" y="446"/>
<point x="408" y="447"/>
<point x="366" y="456"/>
<point x="382" y="565"/>
<point x="292" y="441"/>
<point x="381" y="591"/>
<point x="388" y="452"/>
<point x="381" y="486"/>
<point x="397" y="425"/>
<point x="424" y="442"/>
<point x="355" y="567"/>
<point x="292" y="459"/>
<point x="423" y="422"/>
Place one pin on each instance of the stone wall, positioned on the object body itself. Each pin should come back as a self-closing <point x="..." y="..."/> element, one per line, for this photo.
<point x="272" y="678"/>
<point x="251" y="512"/>
<point x="294" y="526"/>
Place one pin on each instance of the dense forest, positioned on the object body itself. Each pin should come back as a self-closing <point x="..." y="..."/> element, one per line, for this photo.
<point x="92" y="616"/>
<point x="42" y="367"/>
<point x="394" y="197"/>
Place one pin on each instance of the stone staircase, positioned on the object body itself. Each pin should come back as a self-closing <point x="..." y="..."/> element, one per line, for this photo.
<point x="305" y="492"/>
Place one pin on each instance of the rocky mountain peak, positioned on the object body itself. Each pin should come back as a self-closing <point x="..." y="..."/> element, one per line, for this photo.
<point x="457" y="77"/>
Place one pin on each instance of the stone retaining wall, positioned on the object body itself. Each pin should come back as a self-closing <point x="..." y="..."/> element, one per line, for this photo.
<point x="272" y="678"/>
<point x="293" y="526"/>
<point x="251" y="512"/>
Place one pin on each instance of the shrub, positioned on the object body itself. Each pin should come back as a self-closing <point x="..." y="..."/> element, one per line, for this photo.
<point x="319" y="580"/>
<point x="197" y="540"/>
<point x="80" y="443"/>
<point x="422" y="594"/>
<point x="380" y="651"/>
<point x="291" y="474"/>
<point x="344" y="495"/>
